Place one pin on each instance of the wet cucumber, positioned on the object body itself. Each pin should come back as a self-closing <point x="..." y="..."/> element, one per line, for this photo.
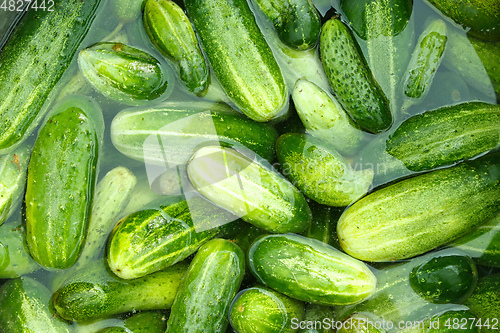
<point x="61" y="180"/>
<point x="484" y="303"/>
<point x="142" y="322"/>
<point x="33" y="61"/>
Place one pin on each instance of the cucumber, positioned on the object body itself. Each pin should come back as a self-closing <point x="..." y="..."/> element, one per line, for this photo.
<point x="260" y="309"/>
<point x="61" y="181"/>
<point x="146" y="322"/>
<point x="445" y="136"/>
<point x="25" y="308"/>
<point x="171" y="32"/>
<point x="489" y="53"/>
<point x="248" y="189"/>
<point x="297" y="22"/>
<point x="361" y="323"/>
<point x="244" y="64"/>
<point x="175" y="129"/>
<point x="207" y="289"/>
<point x="123" y="73"/>
<point x="127" y="11"/>
<point x="446" y="279"/>
<point x="425" y="211"/>
<point x="310" y="271"/>
<point x="13" y="168"/>
<point x="484" y="303"/>
<point x="151" y="240"/>
<point x="480" y="18"/>
<point x="94" y="293"/>
<point x="323" y="224"/>
<point x="33" y="60"/>
<point x="357" y="91"/>
<point x="316" y="313"/>
<point x="14" y="259"/>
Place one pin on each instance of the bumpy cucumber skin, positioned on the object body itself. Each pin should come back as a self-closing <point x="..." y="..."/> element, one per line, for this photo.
<point x="248" y="189"/>
<point x="60" y="186"/>
<point x="171" y="32"/>
<point x="94" y="293"/>
<point x="244" y="63"/>
<point x="445" y="136"/>
<point x="260" y="309"/>
<point x="481" y="18"/>
<point x="25" y="308"/>
<point x="310" y="271"/>
<point x="419" y="214"/>
<point x="351" y="80"/>
<point x="207" y="289"/>
<point x="33" y="61"/>
<point x="485" y="301"/>
<point x="14" y="259"/>
<point x="131" y="129"/>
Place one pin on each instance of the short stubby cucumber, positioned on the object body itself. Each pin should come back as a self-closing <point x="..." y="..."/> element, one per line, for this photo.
<point x="207" y="289"/>
<point x="419" y="214"/>
<point x="248" y="189"/>
<point x="320" y="172"/>
<point x="310" y="270"/>
<point x="171" y="32"/>
<point x="123" y="73"/>
<point x="33" y="61"/>
<point x="351" y="80"/>
<point x="61" y="180"/>
<point x="244" y="64"/>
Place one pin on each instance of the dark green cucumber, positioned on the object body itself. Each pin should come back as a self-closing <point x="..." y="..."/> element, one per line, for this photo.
<point x="421" y="213"/>
<point x="207" y="289"/>
<point x="142" y="322"/>
<point x="320" y="172"/>
<point x="324" y="224"/>
<point x="445" y="136"/>
<point x="153" y="239"/>
<point x="248" y="189"/>
<point x="481" y="18"/>
<point x="310" y="271"/>
<point x="94" y="293"/>
<point x="171" y="32"/>
<point x="61" y="180"/>
<point x="244" y="63"/>
<point x="351" y="80"/>
<point x="25" y="308"/>
<point x="123" y="73"/>
<point x="33" y="61"/>
<point x="297" y="22"/>
<point x="14" y="259"/>
<point x="260" y="309"/>
<point x="484" y="303"/>
<point x="167" y="135"/>
<point x="445" y="279"/>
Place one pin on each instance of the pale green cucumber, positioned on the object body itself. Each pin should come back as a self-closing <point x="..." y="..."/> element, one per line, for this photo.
<point x="127" y="11"/>
<point x="248" y="189"/>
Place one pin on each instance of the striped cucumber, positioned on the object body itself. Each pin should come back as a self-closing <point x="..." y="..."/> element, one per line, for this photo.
<point x="33" y="61"/>
<point x="244" y="64"/>
<point x="61" y="181"/>
<point x="310" y="270"/>
<point x="207" y="289"/>
<point x="419" y="214"/>
<point x="170" y="30"/>
<point x="248" y="189"/>
<point x="351" y="80"/>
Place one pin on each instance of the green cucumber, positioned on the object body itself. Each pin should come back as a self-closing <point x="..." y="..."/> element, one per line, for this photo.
<point x="171" y="32"/>
<point x="207" y="289"/>
<point x="324" y="118"/>
<point x="127" y="11"/>
<point x="418" y="214"/>
<point x="244" y="63"/>
<point x="13" y="168"/>
<point x="93" y="293"/>
<point x="351" y="80"/>
<point x="150" y="240"/>
<point x="142" y="322"/>
<point x="260" y="309"/>
<point x="25" y="308"/>
<point x="310" y="271"/>
<point x="175" y="129"/>
<point x="297" y="22"/>
<point x="248" y="189"/>
<point x="480" y="18"/>
<point x="323" y="224"/>
<point x="61" y="181"/>
<point x="123" y="73"/>
<point x="14" y="259"/>
<point x="484" y="303"/>
<point x="489" y="53"/>
<point x="33" y="61"/>
<point x="445" y="136"/>
<point x="320" y="172"/>
<point x="317" y="313"/>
